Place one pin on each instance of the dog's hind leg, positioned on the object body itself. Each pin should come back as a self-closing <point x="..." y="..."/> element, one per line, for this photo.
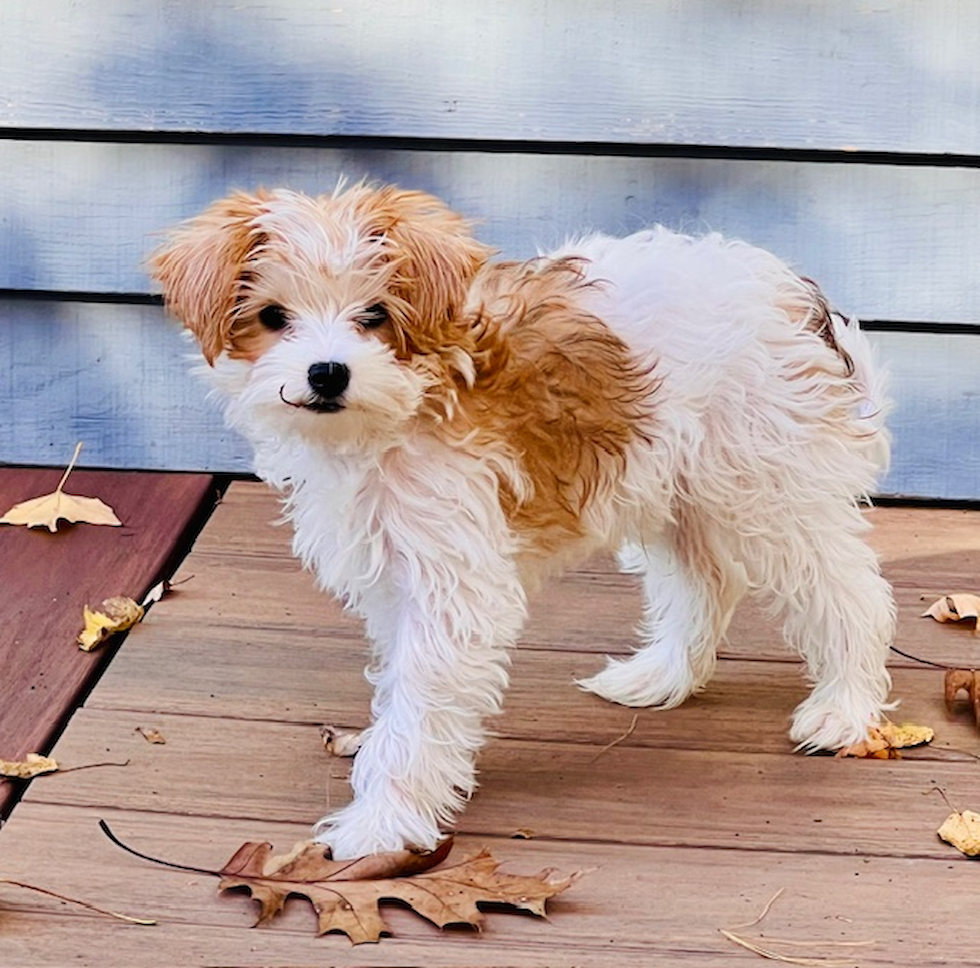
<point x="691" y="589"/>
<point x="840" y="615"/>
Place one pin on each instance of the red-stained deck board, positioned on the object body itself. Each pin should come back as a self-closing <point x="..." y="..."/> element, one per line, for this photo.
<point x="46" y="579"/>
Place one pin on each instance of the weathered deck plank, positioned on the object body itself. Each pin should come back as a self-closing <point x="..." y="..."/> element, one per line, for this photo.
<point x="272" y="772"/>
<point x="693" y="820"/>
<point x="244" y="577"/>
<point x="46" y="579"/>
<point x="638" y="906"/>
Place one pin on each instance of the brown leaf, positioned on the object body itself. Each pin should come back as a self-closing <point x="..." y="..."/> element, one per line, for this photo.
<point x="49" y="509"/>
<point x="346" y="894"/>
<point x="152" y="736"/>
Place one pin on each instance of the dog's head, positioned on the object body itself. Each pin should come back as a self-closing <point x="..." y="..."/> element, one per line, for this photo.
<point x="343" y="311"/>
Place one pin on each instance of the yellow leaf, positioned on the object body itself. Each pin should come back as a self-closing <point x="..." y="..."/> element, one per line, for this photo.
<point x="902" y="735"/>
<point x="885" y="740"/>
<point x="32" y="765"/>
<point x="117" y="615"/>
<point x="57" y="506"/>
<point x="962" y="830"/>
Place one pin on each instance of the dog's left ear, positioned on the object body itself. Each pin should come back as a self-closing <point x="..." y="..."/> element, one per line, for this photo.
<point x="435" y="258"/>
<point x="201" y="264"/>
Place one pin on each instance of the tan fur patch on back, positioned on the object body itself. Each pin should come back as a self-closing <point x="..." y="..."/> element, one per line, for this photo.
<point x="557" y="389"/>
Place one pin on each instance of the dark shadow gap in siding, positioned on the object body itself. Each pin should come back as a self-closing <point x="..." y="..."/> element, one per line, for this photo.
<point x="597" y="148"/>
<point x="63" y="296"/>
<point x="151" y="299"/>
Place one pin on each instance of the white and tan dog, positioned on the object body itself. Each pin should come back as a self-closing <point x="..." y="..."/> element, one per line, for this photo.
<point x="447" y="430"/>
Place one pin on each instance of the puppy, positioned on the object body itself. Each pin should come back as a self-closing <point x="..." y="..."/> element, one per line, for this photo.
<point x="447" y="431"/>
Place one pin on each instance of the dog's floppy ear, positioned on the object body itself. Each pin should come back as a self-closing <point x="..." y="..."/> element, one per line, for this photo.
<point x="435" y="258"/>
<point x="201" y="263"/>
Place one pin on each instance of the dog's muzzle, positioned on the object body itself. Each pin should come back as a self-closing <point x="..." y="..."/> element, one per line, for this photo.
<point x="328" y="381"/>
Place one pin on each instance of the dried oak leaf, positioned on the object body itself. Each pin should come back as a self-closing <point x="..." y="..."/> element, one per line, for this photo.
<point x="962" y="830"/>
<point x="32" y="765"/>
<point x="346" y="894"/>
<point x="886" y="739"/>
<point x="49" y="509"/>
<point x="114" y="615"/>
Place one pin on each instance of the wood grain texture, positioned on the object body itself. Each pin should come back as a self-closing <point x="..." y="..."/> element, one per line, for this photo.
<point x="270" y="771"/>
<point x="831" y="75"/>
<point x="308" y="677"/>
<point x="690" y="823"/>
<point x="46" y="579"/>
<point x="244" y="583"/>
<point x="886" y="242"/>
<point x="122" y="380"/>
<point x="118" y="377"/>
<point x="638" y="906"/>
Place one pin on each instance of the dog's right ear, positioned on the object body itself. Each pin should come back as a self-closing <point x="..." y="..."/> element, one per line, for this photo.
<point x="200" y="266"/>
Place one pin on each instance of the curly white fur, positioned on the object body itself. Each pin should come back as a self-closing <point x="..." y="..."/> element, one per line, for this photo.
<point x="744" y="420"/>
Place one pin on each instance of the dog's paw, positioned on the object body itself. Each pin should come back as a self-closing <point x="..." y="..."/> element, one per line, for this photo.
<point x="357" y="831"/>
<point x="638" y="681"/>
<point x="819" y="724"/>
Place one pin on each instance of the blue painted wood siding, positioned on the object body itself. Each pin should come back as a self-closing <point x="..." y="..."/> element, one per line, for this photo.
<point x="842" y="135"/>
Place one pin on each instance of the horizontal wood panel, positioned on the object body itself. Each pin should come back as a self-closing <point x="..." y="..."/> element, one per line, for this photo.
<point x="637" y="906"/>
<point x="266" y="771"/>
<point x="317" y="677"/>
<point x="684" y="825"/>
<point x="257" y="596"/>
<point x="885" y="242"/>
<point x="298" y="657"/>
<point x="888" y="76"/>
<point x="119" y="378"/>
<point x="113" y="376"/>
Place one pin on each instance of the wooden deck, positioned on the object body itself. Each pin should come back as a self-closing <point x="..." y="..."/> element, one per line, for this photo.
<point x="692" y="822"/>
<point x="46" y="579"/>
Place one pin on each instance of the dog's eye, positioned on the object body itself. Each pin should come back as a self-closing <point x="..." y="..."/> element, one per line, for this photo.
<point x="373" y="317"/>
<point x="273" y="317"/>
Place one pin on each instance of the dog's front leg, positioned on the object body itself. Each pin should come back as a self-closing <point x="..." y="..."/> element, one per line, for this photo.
<point x="446" y="606"/>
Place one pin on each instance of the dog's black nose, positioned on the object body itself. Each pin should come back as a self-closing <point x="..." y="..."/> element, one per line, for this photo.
<point x="328" y="380"/>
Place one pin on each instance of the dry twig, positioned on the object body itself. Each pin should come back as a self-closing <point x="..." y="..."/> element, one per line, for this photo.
<point x="75" y="900"/>
<point x="619" y="739"/>
<point x="768" y="952"/>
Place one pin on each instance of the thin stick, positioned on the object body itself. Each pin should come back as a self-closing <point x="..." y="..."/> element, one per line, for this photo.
<point x="619" y="739"/>
<point x="793" y="943"/>
<point x="942" y="793"/>
<point x="84" y="766"/>
<point x="772" y="955"/>
<point x="765" y="911"/>
<point x="75" y="900"/>
<point x="71" y="467"/>
<point x="785" y="959"/>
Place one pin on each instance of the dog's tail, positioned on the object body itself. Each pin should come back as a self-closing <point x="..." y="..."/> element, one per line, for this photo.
<point x="866" y="377"/>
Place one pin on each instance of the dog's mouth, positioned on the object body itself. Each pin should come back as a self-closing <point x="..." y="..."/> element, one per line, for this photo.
<point x="317" y="404"/>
